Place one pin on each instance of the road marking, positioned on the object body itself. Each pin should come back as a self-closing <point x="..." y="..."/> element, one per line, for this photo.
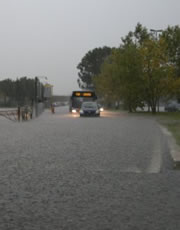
<point x="156" y="160"/>
<point x="174" y="149"/>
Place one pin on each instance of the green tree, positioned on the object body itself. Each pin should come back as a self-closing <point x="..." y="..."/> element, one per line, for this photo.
<point x="141" y="74"/>
<point x="159" y="78"/>
<point x="20" y="91"/>
<point x="172" y="37"/>
<point x="121" y="77"/>
<point x="90" y="66"/>
<point x="24" y="90"/>
<point x="132" y="84"/>
<point x="143" y="69"/>
<point x="7" y="89"/>
<point x="136" y="37"/>
<point x="107" y="83"/>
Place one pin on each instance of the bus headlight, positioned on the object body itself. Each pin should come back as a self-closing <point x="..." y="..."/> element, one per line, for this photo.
<point x="97" y="111"/>
<point x="81" y="111"/>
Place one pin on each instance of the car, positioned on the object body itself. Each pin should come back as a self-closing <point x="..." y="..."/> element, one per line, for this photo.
<point x="172" y="107"/>
<point x="89" y="109"/>
<point x="100" y="108"/>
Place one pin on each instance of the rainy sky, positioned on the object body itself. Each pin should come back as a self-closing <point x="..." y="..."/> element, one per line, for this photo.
<point x="48" y="38"/>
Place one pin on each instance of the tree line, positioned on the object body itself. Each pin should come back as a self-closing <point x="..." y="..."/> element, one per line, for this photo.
<point x="17" y="92"/>
<point x="144" y="69"/>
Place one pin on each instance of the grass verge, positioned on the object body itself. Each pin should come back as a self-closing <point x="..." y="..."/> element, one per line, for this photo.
<point x="171" y="120"/>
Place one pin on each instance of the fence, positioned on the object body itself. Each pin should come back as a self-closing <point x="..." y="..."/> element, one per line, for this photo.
<point x="23" y="113"/>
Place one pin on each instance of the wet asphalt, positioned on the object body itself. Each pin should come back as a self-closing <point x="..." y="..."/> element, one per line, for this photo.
<point x="61" y="171"/>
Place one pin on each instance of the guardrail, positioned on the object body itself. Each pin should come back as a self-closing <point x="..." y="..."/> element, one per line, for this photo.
<point x="20" y="114"/>
<point x="10" y="114"/>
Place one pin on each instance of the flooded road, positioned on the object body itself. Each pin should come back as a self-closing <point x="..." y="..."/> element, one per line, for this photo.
<point x="61" y="171"/>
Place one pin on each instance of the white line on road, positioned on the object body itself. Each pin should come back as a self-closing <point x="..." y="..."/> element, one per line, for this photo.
<point x="156" y="160"/>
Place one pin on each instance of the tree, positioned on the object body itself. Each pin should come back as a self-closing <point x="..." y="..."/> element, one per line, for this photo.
<point x="137" y="37"/>
<point x="121" y="77"/>
<point x="159" y="78"/>
<point x="107" y="83"/>
<point x="143" y="69"/>
<point x="90" y="66"/>
<point x="132" y="84"/>
<point x="20" y="91"/>
<point x="172" y="37"/>
<point x="7" y="89"/>
<point x="137" y="74"/>
<point x="24" y="90"/>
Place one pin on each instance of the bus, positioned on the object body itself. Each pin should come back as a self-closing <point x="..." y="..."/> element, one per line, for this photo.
<point x="78" y="97"/>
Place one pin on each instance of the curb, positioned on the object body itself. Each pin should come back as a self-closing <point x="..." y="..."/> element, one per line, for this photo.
<point x="174" y="149"/>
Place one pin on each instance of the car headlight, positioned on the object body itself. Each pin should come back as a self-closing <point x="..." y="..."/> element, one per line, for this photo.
<point x="101" y="109"/>
<point x="73" y="110"/>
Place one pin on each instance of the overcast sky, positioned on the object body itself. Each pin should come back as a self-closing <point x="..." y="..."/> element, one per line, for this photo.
<point x="49" y="37"/>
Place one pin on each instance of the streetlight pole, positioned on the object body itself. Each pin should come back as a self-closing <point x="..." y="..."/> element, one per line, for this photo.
<point x="156" y="32"/>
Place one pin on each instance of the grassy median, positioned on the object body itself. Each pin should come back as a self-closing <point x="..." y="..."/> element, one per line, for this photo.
<point x="171" y="120"/>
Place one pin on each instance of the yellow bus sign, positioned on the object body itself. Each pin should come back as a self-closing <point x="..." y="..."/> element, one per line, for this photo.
<point x="87" y="94"/>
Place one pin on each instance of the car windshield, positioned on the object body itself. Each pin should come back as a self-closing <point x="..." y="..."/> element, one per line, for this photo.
<point x="89" y="106"/>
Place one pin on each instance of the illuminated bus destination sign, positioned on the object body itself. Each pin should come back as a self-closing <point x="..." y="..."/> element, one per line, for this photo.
<point x="78" y="94"/>
<point x="87" y="94"/>
<point x="83" y="94"/>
